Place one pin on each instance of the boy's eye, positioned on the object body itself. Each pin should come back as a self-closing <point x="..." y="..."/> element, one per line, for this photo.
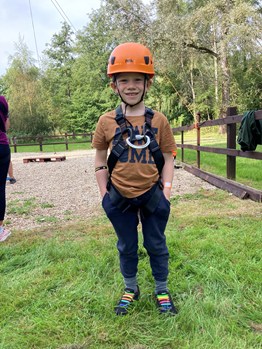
<point x="125" y="81"/>
<point x="122" y="81"/>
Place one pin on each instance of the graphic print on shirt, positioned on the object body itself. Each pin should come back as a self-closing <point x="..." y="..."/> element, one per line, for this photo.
<point x="133" y="155"/>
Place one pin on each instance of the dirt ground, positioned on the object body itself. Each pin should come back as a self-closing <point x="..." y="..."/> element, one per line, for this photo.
<point x="66" y="190"/>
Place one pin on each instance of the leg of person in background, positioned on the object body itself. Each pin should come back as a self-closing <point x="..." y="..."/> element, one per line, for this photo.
<point x="11" y="173"/>
<point x="4" y="165"/>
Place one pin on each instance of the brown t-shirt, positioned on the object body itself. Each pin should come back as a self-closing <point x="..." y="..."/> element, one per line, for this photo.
<point x="135" y="172"/>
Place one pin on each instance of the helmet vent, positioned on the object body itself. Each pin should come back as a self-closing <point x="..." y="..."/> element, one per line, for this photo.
<point x="146" y="58"/>
<point x="112" y="60"/>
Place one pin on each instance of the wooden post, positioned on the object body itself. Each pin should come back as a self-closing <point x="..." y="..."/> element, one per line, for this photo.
<point x="40" y="143"/>
<point x="231" y="143"/>
<point x="182" y="149"/>
<point x="198" y="138"/>
<point x="14" y="143"/>
<point x="66" y="141"/>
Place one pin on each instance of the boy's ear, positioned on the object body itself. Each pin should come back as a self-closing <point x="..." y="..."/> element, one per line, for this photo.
<point x="113" y="86"/>
<point x="149" y="83"/>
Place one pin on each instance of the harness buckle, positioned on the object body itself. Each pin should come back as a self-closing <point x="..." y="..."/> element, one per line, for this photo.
<point x="119" y="148"/>
<point x="138" y="138"/>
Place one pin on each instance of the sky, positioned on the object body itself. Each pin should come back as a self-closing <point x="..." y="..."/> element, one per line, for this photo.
<point x="16" y="20"/>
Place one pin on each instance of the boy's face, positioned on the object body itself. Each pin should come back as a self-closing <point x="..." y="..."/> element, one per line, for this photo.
<point x="131" y="86"/>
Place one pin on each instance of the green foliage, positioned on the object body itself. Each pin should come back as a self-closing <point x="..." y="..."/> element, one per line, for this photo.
<point x="58" y="77"/>
<point x="25" y="94"/>
<point x="207" y="57"/>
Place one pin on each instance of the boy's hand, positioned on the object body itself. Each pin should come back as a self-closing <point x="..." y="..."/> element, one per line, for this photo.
<point x="167" y="193"/>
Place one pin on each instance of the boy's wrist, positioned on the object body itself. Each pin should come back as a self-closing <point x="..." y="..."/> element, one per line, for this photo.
<point x="167" y="185"/>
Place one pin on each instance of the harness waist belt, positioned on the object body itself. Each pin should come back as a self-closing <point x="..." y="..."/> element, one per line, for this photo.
<point x="147" y="205"/>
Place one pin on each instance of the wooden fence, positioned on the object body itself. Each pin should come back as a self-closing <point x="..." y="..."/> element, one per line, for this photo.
<point x="41" y="141"/>
<point x="231" y="152"/>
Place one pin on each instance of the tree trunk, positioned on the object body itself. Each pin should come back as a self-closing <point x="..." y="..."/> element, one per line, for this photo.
<point x="193" y="89"/>
<point x="225" y="85"/>
<point x="215" y="60"/>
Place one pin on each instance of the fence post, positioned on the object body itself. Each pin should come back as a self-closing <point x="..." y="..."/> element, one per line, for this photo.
<point x="66" y="141"/>
<point x="231" y="143"/>
<point x="198" y="138"/>
<point x="40" y="139"/>
<point x="182" y="142"/>
<point x="14" y="143"/>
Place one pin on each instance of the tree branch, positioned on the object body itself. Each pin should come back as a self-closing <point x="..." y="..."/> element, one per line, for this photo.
<point x="202" y="49"/>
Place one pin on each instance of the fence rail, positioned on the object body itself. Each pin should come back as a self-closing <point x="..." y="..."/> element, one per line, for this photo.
<point x="231" y="152"/>
<point x="67" y="139"/>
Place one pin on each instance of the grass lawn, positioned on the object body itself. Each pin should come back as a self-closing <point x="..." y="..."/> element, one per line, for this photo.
<point x="51" y="148"/>
<point x="59" y="285"/>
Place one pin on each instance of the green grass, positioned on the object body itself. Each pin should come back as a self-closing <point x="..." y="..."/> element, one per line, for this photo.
<point x="21" y="207"/>
<point x="59" y="285"/>
<point x="52" y="148"/>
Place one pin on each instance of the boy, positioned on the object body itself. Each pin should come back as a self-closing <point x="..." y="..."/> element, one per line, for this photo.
<point x="135" y="181"/>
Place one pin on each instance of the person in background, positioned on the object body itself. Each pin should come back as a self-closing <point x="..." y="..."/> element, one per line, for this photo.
<point x="11" y="177"/>
<point x="4" y="164"/>
<point x="174" y="152"/>
<point x="135" y="181"/>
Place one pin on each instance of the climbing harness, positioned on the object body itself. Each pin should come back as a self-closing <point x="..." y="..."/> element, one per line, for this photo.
<point x="148" y="137"/>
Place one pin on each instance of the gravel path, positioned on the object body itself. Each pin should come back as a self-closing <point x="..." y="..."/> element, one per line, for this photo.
<point x="52" y="192"/>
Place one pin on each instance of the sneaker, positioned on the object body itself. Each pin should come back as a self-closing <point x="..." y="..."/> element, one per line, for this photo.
<point x="165" y="303"/>
<point x="126" y="300"/>
<point x="12" y="180"/>
<point x="4" y="233"/>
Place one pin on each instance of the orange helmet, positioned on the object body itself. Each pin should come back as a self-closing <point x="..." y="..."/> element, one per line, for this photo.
<point x="131" y="58"/>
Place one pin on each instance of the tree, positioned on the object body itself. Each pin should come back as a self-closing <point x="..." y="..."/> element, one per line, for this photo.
<point x="28" y="112"/>
<point x="193" y="33"/>
<point x="57" y="78"/>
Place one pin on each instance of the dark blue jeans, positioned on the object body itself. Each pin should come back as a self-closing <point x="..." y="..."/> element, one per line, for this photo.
<point x="4" y="164"/>
<point x="153" y="228"/>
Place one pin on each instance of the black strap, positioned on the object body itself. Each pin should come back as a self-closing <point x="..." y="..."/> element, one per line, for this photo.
<point x="120" y="145"/>
<point x="121" y="120"/>
<point x="153" y="145"/>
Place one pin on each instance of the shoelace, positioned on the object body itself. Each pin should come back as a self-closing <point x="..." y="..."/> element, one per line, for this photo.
<point x="164" y="300"/>
<point x="126" y="299"/>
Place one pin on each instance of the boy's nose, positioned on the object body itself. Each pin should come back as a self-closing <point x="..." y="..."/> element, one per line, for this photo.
<point x="131" y="84"/>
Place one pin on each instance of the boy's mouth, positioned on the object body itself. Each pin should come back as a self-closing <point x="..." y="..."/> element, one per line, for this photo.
<point x="131" y="94"/>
